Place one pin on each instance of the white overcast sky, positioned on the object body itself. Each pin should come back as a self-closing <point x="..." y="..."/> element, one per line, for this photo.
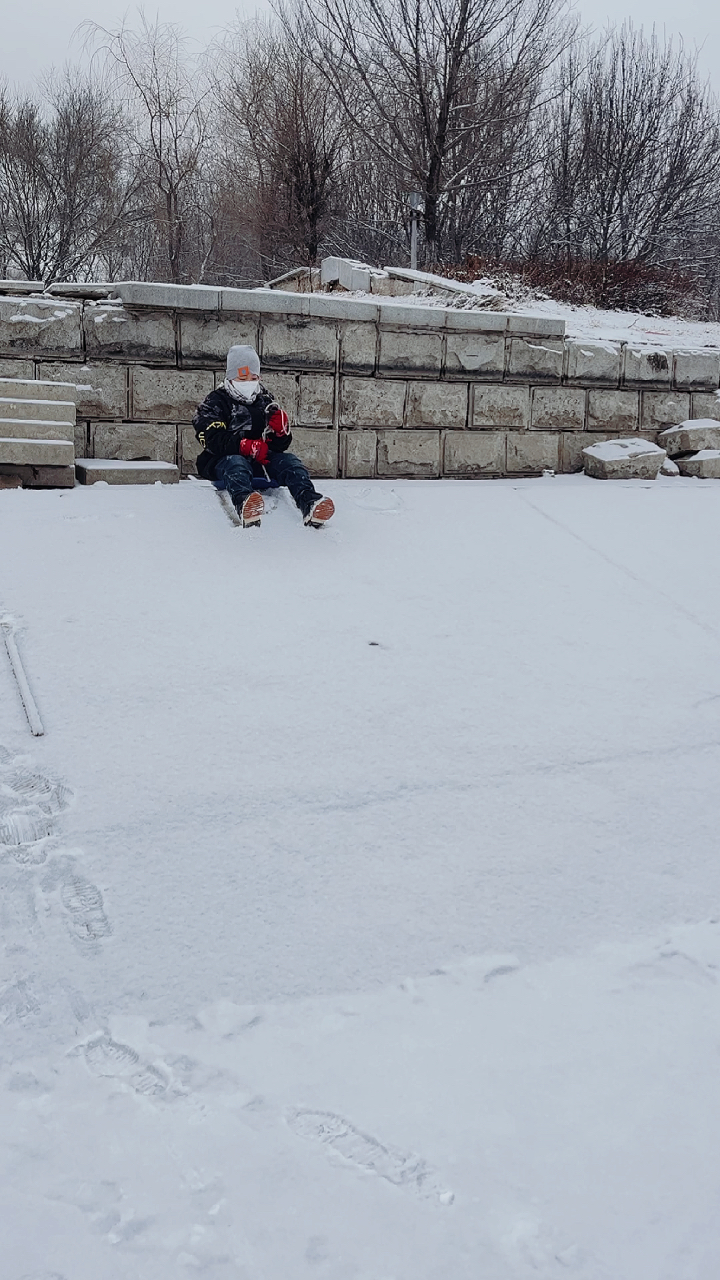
<point x="28" y="47"/>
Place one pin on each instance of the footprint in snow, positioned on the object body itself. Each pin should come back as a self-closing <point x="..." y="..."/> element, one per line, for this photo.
<point x="385" y="501"/>
<point x="83" y="903"/>
<point x="398" y="1167"/>
<point x="107" y="1057"/>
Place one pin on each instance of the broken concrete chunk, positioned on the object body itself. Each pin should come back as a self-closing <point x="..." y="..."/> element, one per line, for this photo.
<point x="669" y="468"/>
<point x="697" y="433"/>
<point x="705" y="464"/>
<point x="624" y="459"/>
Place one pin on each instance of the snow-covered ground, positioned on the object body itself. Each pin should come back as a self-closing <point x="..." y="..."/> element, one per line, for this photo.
<point x="360" y="905"/>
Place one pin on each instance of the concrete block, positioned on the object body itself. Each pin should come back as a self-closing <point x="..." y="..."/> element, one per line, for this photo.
<point x="532" y="452"/>
<point x="593" y="362"/>
<point x="91" y="470"/>
<point x="33" y="410"/>
<point x="83" y="447"/>
<point x="410" y="352"/>
<point x="660" y="409"/>
<point x="535" y="359"/>
<point x="133" y="441"/>
<point x="36" y="453"/>
<point x="250" y="303"/>
<point x="36" y="429"/>
<point x="626" y="459"/>
<point x="384" y="286"/>
<point x="205" y="339"/>
<point x="696" y="370"/>
<point x="188" y="450"/>
<point x="317" y="400"/>
<point x="702" y="433"/>
<point x="415" y="454"/>
<point x="40" y="327"/>
<point x="82" y="290"/>
<point x="613" y="412"/>
<point x="479" y="322"/>
<point x="37" y="477"/>
<point x="17" y="369"/>
<point x="645" y="366"/>
<point x="100" y="390"/>
<point x="572" y="444"/>
<point x="557" y="409"/>
<point x="536" y="326"/>
<point x="410" y="315"/>
<point x="705" y="465"/>
<point x="168" y="395"/>
<point x="475" y="355"/>
<point x="284" y="387"/>
<point x="317" y="449"/>
<point x="334" y="306"/>
<point x="111" y="331"/>
<point x="182" y="297"/>
<point x="359" y="454"/>
<point x="437" y="404"/>
<point x="298" y="344"/>
<point x="706" y="405"/>
<point x="358" y="348"/>
<point x="469" y="453"/>
<point x="30" y="389"/>
<point x="18" y="287"/>
<point x="500" y="406"/>
<point x="366" y="402"/>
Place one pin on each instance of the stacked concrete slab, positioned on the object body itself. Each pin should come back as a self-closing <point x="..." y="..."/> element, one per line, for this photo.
<point x="380" y="387"/>
<point x="37" y="430"/>
<point x="694" y="447"/>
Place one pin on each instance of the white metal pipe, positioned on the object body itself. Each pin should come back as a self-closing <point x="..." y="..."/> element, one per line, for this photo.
<point x="31" y="711"/>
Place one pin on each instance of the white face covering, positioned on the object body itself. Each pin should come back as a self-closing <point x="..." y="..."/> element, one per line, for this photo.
<point x="242" y="390"/>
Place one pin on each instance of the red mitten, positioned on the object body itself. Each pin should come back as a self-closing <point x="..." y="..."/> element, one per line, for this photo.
<point x="278" y="422"/>
<point x="255" y="449"/>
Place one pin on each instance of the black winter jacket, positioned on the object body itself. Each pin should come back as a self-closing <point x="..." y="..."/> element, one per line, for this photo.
<point x="220" y="424"/>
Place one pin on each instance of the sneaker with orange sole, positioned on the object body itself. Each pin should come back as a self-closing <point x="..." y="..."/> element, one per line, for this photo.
<point x="252" y="510"/>
<point x="319" y="513"/>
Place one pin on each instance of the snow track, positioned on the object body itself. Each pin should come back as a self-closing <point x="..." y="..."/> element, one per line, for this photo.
<point x="435" y="997"/>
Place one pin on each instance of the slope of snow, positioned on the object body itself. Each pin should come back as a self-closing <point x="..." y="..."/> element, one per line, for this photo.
<point x="358" y="906"/>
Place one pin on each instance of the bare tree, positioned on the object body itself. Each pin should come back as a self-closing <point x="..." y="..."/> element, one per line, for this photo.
<point x="281" y="121"/>
<point x="65" y="194"/>
<point x="635" y="166"/>
<point x="168" y="101"/>
<point x="427" y="80"/>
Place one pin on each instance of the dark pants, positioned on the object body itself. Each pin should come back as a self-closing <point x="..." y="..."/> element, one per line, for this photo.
<point x="239" y="476"/>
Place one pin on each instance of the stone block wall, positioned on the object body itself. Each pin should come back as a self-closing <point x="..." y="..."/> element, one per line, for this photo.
<point x="372" y="388"/>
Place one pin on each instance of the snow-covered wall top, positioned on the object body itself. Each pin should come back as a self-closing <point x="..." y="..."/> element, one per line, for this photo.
<point x="372" y="387"/>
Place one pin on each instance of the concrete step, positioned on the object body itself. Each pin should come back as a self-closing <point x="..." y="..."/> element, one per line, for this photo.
<point x="36" y="429"/>
<point x="34" y="389"/>
<point x="39" y="410"/>
<point x="18" y="476"/>
<point x="112" y="471"/>
<point x="25" y="451"/>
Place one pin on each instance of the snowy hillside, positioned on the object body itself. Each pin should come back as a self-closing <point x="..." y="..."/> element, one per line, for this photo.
<point x="360" y="904"/>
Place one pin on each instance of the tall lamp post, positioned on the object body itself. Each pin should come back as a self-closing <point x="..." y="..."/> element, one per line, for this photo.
<point x="415" y="207"/>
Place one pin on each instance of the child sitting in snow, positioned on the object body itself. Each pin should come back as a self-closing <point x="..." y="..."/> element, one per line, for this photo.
<point x="245" y="437"/>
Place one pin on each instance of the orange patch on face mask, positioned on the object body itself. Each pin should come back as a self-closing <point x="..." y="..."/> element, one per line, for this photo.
<point x="244" y="375"/>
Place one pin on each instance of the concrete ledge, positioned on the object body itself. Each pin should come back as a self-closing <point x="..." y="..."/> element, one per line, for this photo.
<point x="36" y="389"/>
<point x="36" y="429"/>
<point x="29" y="477"/>
<point x="33" y="410"/>
<point x="90" y="470"/>
<point x="26" y="451"/>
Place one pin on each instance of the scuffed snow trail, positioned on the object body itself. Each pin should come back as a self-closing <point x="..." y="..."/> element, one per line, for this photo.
<point x="212" y="1059"/>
